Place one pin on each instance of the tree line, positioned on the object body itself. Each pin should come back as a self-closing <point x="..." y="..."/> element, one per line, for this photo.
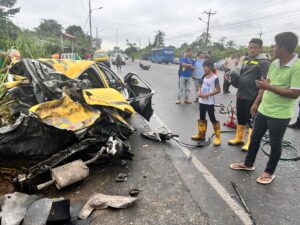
<point x="44" y="40"/>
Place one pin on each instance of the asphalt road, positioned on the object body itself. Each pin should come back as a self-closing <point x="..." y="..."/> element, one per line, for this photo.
<point x="205" y="171"/>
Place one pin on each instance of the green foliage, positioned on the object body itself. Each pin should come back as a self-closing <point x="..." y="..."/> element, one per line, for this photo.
<point x="49" y="27"/>
<point x="28" y="45"/>
<point x="82" y="39"/>
<point x="231" y="44"/>
<point x="8" y="9"/>
<point x="9" y="30"/>
<point x="75" y="30"/>
<point x="159" y="39"/>
<point x="199" y="43"/>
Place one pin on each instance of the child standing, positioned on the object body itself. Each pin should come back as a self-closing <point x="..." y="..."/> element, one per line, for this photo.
<point x="209" y="86"/>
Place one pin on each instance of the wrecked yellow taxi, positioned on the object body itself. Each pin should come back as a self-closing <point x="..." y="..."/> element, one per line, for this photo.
<point x="55" y="109"/>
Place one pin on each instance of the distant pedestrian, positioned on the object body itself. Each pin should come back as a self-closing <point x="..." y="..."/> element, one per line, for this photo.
<point x="179" y="70"/>
<point x="229" y="64"/>
<point x="274" y="106"/>
<point x="208" y="56"/>
<point x="185" y="73"/>
<point x="199" y="72"/>
<point x="119" y="62"/>
<point x="209" y="87"/>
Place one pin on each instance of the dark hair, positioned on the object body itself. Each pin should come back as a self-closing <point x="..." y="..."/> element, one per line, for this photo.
<point x="209" y="64"/>
<point x="199" y="53"/>
<point x="256" y="41"/>
<point x="288" y="40"/>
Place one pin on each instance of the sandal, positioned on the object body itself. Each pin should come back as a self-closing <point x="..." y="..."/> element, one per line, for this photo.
<point x="241" y="166"/>
<point x="265" y="180"/>
<point x="187" y="102"/>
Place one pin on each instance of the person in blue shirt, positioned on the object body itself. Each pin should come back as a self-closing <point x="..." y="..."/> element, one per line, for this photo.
<point x="199" y="72"/>
<point x="185" y="73"/>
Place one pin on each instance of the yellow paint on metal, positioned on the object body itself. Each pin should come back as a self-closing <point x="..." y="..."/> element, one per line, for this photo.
<point x="74" y="68"/>
<point x="122" y="120"/>
<point x="12" y="84"/>
<point x="66" y="114"/>
<point x="107" y="97"/>
<point x="18" y="77"/>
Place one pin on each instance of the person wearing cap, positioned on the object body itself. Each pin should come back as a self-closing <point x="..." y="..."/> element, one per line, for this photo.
<point x="7" y="58"/>
<point x="185" y="80"/>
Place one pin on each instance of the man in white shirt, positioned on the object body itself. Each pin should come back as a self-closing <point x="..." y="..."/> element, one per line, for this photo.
<point x="229" y="63"/>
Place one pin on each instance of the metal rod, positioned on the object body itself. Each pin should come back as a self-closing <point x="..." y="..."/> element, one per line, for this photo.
<point x="244" y="203"/>
<point x="44" y="185"/>
<point x="96" y="156"/>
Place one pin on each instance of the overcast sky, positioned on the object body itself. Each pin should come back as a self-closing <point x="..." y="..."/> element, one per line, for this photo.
<point x="138" y="20"/>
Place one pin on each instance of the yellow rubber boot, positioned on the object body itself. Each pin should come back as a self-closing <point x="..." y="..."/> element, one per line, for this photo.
<point x="202" y="127"/>
<point x="246" y="146"/>
<point x="217" y="129"/>
<point x="239" y="136"/>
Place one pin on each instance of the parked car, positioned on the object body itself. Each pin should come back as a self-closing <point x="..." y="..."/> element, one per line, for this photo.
<point x="176" y="61"/>
<point x="101" y="56"/>
<point x="125" y="56"/>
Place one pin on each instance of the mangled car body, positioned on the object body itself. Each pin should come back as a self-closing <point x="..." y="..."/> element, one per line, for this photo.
<point x="54" y="109"/>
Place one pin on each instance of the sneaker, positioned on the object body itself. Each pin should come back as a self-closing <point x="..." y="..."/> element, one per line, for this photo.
<point x="196" y="100"/>
<point x="187" y="102"/>
<point x="178" y="102"/>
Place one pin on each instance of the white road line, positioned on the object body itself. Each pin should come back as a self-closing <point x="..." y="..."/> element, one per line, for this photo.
<point x="210" y="178"/>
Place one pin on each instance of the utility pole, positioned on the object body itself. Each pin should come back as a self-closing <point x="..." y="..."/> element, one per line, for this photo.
<point x="209" y="14"/>
<point x="117" y="38"/>
<point x="260" y="34"/>
<point x="97" y="39"/>
<point x="90" y="18"/>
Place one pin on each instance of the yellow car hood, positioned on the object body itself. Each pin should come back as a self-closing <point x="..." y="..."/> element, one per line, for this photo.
<point x="67" y="114"/>
<point x="101" y="59"/>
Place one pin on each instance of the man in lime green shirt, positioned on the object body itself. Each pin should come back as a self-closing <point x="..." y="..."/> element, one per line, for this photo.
<point x="274" y="106"/>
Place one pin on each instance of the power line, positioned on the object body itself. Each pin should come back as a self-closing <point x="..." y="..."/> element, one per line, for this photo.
<point x="250" y="11"/>
<point x="261" y="19"/>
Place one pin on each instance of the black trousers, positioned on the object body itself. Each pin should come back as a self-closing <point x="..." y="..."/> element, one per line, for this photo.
<point x="210" y="109"/>
<point x="243" y="107"/>
<point x="226" y="85"/>
<point x="277" y="128"/>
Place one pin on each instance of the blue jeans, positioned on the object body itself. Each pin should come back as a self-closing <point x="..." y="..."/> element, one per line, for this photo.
<point x="277" y="128"/>
<point x="197" y="85"/>
<point x="184" y="87"/>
